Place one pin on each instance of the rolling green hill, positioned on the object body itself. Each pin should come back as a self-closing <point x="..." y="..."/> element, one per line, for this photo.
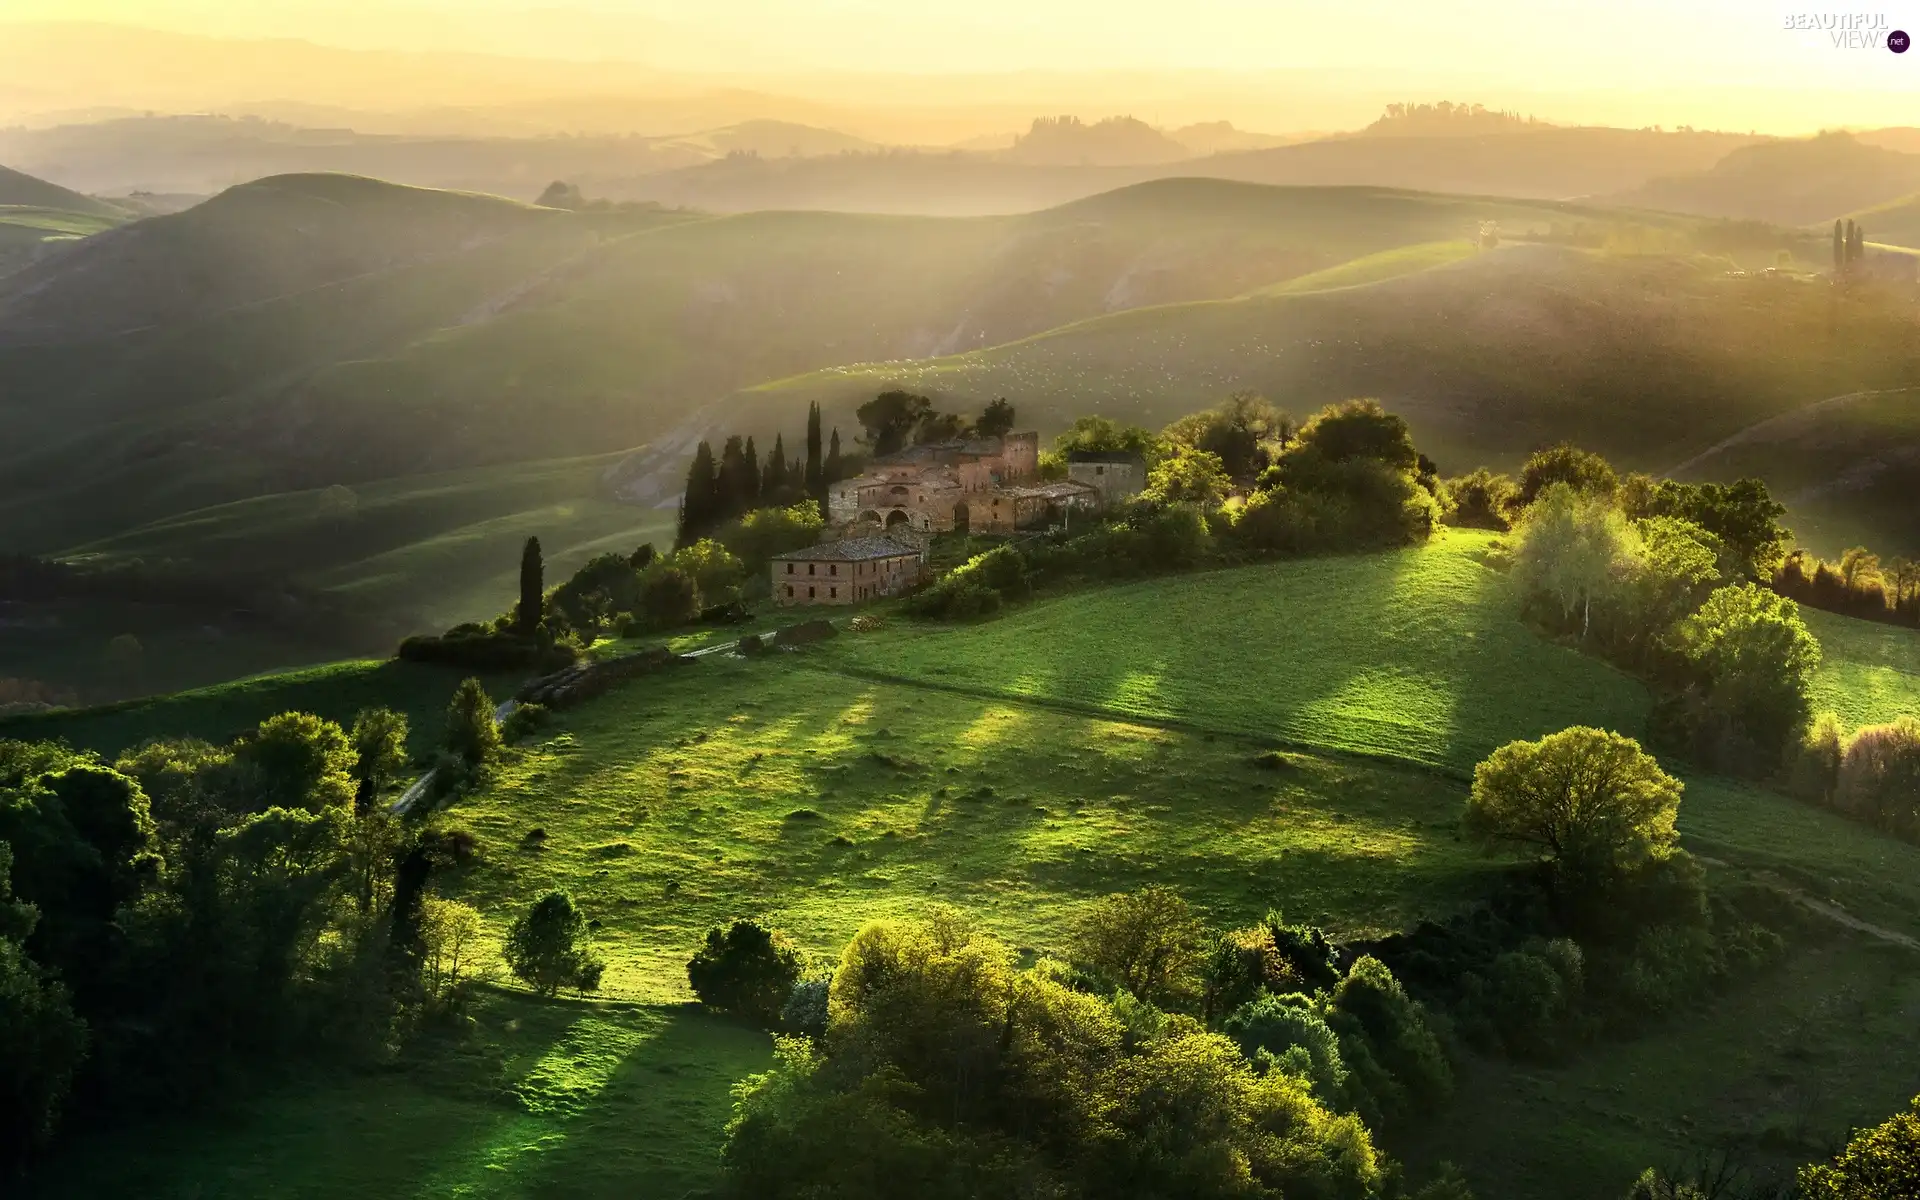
<point x="24" y="191"/>
<point x="1792" y="182"/>
<point x="1647" y="358"/>
<point x="37" y="216"/>
<point x="1895" y="223"/>
<point x="1018" y="769"/>
<point x="309" y="331"/>
<point x="1848" y="469"/>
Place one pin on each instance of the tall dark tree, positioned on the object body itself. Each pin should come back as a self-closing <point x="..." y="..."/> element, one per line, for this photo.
<point x="834" y="468"/>
<point x="815" y="481"/>
<point x="773" y="479"/>
<point x="1839" y="248"/>
<point x="750" y="478"/>
<point x="701" y="499"/>
<point x="996" y="420"/>
<point x="532" y="588"/>
<point x="736" y="489"/>
<point x="891" y="418"/>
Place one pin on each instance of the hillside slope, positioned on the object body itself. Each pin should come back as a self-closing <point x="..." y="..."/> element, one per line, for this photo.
<point x="300" y="333"/>
<point x="1649" y="359"/>
<point x="25" y="191"/>
<point x="1789" y="182"/>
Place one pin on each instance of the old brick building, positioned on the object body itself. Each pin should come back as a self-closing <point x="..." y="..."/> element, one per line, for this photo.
<point x="845" y="572"/>
<point x="983" y="485"/>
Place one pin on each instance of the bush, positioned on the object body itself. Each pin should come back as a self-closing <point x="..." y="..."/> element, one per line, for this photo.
<point x="1813" y="771"/>
<point x="548" y="948"/>
<point x="479" y="650"/>
<point x="746" y="971"/>
<point x="976" y="588"/>
<point x="805" y="1011"/>
<point x="1388" y="1043"/>
<point x="1879" y="777"/>
<point x="669" y="598"/>
<point x="1583" y="471"/>
<point x="1754" y="661"/>
<point x="1296" y="1038"/>
<point x="1482" y="499"/>
<point x="473" y="736"/>
<point x="524" y="721"/>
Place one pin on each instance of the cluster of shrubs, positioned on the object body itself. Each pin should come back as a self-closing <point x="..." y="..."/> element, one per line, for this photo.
<point x="1237" y="483"/>
<point x="1872" y="776"/>
<point x="1859" y="585"/>
<point x="172" y="918"/>
<point x="1163" y="1059"/>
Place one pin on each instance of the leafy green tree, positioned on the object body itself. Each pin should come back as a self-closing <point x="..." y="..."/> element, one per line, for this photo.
<point x="1396" y="1064"/>
<point x="548" y="947"/>
<point x="1149" y="942"/>
<point x="1483" y="499"/>
<point x="1100" y="435"/>
<point x="296" y="760"/>
<point x="1755" y="659"/>
<point x="1878" y="779"/>
<point x="473" y="736"/>
<point x="996" y="420"/>
<point x="669" y="598"/>
<point x="1242" y="434"/>
<point x="745" y="970"/>
<point x="1186" y="475"/>
<point x="450" y="935"/>
<point x="42" y="1043"/>
<point x="1296" y="1037"/>
<point x="1742" y="515"/>
<point x="765" y="532"/>
<point x="712" y="567"/>
<point x="532" y="590"/>
<point x="1576" y="550"/>
<point x="891" y="419"/>
<point x="1592" y="800"/>
<point x="379" y="741"/>
<point x="1360" y="429"/>
<point x="1581" y="470"/>
<point x="1878" y="1164"/>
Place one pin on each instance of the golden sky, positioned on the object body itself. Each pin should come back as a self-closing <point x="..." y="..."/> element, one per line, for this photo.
<point x="1707" y="62"/>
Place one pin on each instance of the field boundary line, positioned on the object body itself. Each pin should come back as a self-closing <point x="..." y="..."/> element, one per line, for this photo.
<point x="1078" y="708"/>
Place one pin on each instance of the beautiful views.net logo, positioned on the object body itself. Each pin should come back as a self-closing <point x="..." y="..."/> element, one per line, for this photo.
<point x="1850" y="31"/>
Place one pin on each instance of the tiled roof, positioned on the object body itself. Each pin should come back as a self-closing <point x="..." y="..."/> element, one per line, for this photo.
<point x="850" y="550"/>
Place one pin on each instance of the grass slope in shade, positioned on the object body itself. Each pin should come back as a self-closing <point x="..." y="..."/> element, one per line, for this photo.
<point x="336" y="691"/>
<point x="772" y="789"/>
<point x="1415" y="654"/>
<point x="549" y="1100"/>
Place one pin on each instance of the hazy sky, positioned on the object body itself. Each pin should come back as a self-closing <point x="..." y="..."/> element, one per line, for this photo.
<point x="1733" y="62"/>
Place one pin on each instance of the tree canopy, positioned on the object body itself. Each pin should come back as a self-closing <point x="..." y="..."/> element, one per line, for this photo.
<point x="1591" y="799"/>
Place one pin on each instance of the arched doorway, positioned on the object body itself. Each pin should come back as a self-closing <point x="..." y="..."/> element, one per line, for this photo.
<point x="962" y="517"/>
<point x="897" y="518"/>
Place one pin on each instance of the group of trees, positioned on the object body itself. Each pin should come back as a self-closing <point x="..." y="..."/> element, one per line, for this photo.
<point x="726" y="488"/>
<point x="175" y="915"/>
<point x="1849" y="245"/>
<point x="1858" y="585"/>
<point x="1872" y="775"/>
<point x="895" y="420"/>
<point x="942" y="1069"/>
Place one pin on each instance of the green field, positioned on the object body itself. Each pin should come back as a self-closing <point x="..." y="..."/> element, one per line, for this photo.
<point x="1869" y="672"/>
<point x="1018" y="769"/>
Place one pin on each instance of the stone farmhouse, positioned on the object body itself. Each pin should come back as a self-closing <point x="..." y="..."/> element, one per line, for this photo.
<point x="978" y="485"/>
<point x="846" y="571"/>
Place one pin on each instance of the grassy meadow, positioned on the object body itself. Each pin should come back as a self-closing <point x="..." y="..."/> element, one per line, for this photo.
<point x="1293" y="735"/>
<point x="1869" y="672"/>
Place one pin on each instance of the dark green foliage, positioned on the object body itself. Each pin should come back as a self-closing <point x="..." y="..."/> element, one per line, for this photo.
<point x="996" y="420"/>
<point x="1742" y="515"/>
<point x="1482" y="499"/>
<point x="1752" y="660"/>
<point x="524" y="721"/>
<point x="1288" y="1028"/>
<point x="745" y="970"/>
<point x="643" y="556"/>
<point x="476" y="649"/>
<point x="1360" y="429"/>
<point x="1244" y="433"/>
<point x="815" y="479"/>
<point x="295" y="760"/>
<point x="1878" y="1164"/>
<point x="835" y="469"/>
<point x="547" y="947"/>
<point x="700" y="503"/>
<point x="533" y="588"/>
<point x="1099" y="435"/>
<point x="1581" y="470"/>
<point x="763" y="533"/>
<point x="892" y="420"/>
<point x="41" y="1041"/>
<point x="1395" y="1061"/>
<point x="607" y="585"/>
<point x="473" y="736"/>
<point x="669" y="598"/>
<point x="978" y="587"/>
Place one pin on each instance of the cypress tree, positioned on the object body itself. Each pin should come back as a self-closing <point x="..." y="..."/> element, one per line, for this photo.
<point x="1852" y="253"/>
<point x="532" y="588"/>
<point x="774" y="481"/>
<point x="698" y="503"/>
<point x="750" y="477"/>
<point x="815" y="480"/>
<point x="735" y="492"/>
<point x="1839" y="248"/>
<point x="833" y="469"/>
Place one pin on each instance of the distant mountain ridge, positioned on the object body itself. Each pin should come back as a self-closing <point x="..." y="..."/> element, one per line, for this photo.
<point x="1790" y="182"/>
